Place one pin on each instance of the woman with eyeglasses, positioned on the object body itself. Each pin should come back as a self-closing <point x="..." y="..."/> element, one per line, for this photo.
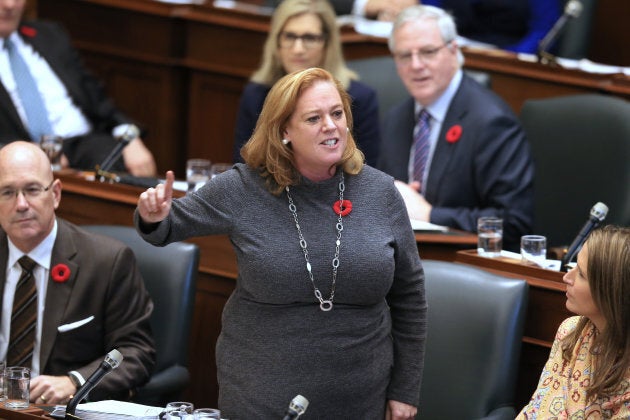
<point x="587" y="375"/>
<point x="304" y="34"/>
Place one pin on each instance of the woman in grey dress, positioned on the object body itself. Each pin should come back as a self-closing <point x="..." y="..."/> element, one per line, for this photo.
<point x="329" y="302"/>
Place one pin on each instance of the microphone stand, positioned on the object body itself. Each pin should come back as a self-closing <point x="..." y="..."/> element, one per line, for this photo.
<point x="103" y="170"/>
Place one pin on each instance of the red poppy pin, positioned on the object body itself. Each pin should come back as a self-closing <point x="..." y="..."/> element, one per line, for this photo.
<point x="28" y="31"/>
<point x="454" y="133"/>
<point x="60" y="273"/>
<point x="342" y="207"/>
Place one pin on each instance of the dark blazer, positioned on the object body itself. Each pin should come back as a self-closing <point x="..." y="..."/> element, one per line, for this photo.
<point x="54" y="45"/>
<point x="488" y="171"/>
<point x="104" y="283"/>
<point x="364" y="114"/>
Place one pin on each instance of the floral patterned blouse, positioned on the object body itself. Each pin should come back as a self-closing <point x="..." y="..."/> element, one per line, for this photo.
<point x="561" y="392"/>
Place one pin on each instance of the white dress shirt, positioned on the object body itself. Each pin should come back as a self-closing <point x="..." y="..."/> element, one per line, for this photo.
<point x="65" y="117"/>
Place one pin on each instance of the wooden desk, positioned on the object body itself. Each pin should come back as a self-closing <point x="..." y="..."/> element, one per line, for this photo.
<point x="180" y="69"/>
<point x="545" y="311"/>
<point x="26" y="414"/>
<point x="88" y="202"/>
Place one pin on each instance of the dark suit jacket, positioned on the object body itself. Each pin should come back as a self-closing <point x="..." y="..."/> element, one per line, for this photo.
<point x="488" y="172"/>
<point x="104" y="283"/>
<point x="53" y="44"/>
<point x="364" y="114"/>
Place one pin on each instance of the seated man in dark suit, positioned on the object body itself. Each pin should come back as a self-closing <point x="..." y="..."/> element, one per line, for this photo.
<point x="58" y="97"/>
<point x="469" y="156"/>
<point x="81" y="296"/>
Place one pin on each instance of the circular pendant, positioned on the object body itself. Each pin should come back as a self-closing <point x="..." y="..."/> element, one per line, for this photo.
<point x="326" y="305"/>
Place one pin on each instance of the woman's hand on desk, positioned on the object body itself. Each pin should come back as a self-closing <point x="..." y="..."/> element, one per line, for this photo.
<point x="155" y="203"/>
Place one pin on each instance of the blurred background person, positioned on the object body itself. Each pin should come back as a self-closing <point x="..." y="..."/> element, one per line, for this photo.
<point x="304" y="34"/>
<point x="514" y="25"/>
<point x="349" y="336"/>
<point x="458" y="148"/>
<point x="84" y="296"/>
<point x="46" y="89"/>
<point x="588" y="371"/>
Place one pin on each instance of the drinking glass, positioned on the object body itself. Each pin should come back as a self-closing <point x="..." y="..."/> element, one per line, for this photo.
<point x="197" y="173"/>
<point x="534" y="249"/>
<point x="18" y="387"/>
<point x="53" y="147"/>
<point x="490" y="234"/>
<point x="206" y="413"/>
<point x="218" y="168"/>
<point x="177" y="415"/>
<point x="180" y="406"/>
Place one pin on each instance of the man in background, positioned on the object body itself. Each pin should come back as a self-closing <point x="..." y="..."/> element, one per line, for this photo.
<point x="456" y="148"/>
<point x="45" y="89"/>
<point x="68" y="296"/>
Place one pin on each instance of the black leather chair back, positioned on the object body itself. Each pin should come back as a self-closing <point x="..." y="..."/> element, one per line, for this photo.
<point x="581" y="148"/>
<point x="475" y="329"/>
<point x="170" y="275"/>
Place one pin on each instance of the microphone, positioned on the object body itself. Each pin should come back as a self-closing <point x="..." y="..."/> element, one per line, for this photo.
<point x="297" y="407"/>
<point x="572" y="9"/>
<point x="597" y="215"/>
<point x="123" y="134"/>
<point x="111" y="362"/>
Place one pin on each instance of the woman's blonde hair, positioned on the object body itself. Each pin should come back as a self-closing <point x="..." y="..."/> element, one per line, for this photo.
<point x="266" y="152"/>
<point x="271" y="70"/>
<point x="608" y="273"/>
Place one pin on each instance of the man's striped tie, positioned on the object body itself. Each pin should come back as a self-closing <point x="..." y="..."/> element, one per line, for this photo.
<point x="23" y="317"/>
<point x="421" y="145"/>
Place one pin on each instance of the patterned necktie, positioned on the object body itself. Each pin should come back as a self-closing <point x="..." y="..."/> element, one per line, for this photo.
<point x="421" y="145"/>
<point x="36" y="114"/>
<point x="23" y="317"/>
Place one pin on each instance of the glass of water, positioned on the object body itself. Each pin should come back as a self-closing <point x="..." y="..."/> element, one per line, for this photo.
<point x="533" y="250"/>
<point x="53" y="147"/>
<point x="490" y="236"/>
<point x="197" y="173"/>
<point x="18" y="381"/>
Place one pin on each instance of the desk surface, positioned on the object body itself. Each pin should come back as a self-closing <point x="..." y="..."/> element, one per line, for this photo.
<point x="26" y="414"/>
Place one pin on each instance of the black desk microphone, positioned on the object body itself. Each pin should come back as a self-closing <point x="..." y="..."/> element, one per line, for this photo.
<point x="111" y="362"/>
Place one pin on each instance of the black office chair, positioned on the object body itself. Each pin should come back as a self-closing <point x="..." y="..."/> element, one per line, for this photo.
<point x="170" y="275"/>
<point x="475" y="329"/>
<point x="380" y="74"/>
<point x="581" y="148"/>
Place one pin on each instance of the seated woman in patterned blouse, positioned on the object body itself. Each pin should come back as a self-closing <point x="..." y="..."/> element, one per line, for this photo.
<point x="587" y="375"/>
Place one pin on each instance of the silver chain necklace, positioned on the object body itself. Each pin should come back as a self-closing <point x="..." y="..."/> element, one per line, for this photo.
<point x="324" y="304"/>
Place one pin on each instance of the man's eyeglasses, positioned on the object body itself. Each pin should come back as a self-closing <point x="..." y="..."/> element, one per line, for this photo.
<point x="424" y="55"/>
<point x="287" y="40"/>
<point x="30" y="191"/>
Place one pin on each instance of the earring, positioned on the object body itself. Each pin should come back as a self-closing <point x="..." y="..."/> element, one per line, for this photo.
<point x="285" y="141"/>
<point x="347" y="130"/>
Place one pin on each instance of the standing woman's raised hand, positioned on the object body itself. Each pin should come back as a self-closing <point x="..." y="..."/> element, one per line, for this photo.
<point x="155" y="203"/>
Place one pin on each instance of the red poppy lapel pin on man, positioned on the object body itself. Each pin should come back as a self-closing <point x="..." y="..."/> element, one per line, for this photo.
<point x="60" y="273"/>
<point x="454" y="133"/>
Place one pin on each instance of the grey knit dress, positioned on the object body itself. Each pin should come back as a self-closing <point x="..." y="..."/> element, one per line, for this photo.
<point x="275" y="341"/>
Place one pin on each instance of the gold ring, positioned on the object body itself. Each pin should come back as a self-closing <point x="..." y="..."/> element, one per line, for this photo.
<point x="43" y="399"/>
